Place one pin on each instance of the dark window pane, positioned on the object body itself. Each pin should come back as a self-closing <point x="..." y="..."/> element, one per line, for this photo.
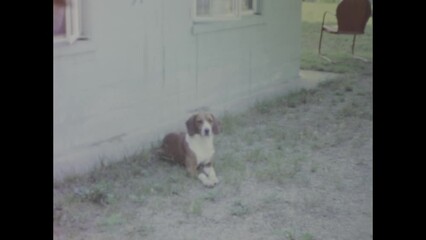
<point x="59" y="17"/>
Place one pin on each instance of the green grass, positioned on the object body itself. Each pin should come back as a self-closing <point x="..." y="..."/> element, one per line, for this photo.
<point x="112" y="220"/>
<point x="239" y="209"/>
<point x="213" y="195"/>
<point x="195" y="207"/>
<point x="100" y="194"/>
<point x="336" y="47"/>
<point x="280" y="168"/>
<point x="290" y="235"/>
<point x="313" y="12"/>
<point x="230" y="122"/>
<point x="307" y="236"/>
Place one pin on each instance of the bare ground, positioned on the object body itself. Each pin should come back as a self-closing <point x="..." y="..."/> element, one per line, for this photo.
<point x="297" y="167"/>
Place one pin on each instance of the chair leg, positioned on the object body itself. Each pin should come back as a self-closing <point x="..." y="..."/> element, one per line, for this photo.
<point x="353" y="51"/>
<point x="353" y="44"/>
<point x="319" y="48"/>
<point x="320" y="41"/>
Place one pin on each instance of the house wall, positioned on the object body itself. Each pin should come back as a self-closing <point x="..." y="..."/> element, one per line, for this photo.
<point x="146" y="66"/>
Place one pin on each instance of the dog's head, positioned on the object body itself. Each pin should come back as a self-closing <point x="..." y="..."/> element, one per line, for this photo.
<point x="204" y="124"/>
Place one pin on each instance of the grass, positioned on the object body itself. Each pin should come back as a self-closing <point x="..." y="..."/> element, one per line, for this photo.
<point x="307" y="236"/>
<point x="98" y="194"/>
<point x="313" y="12"/>
<point x="111" y="220"/>
<point x="214" y="195"/>
<point x="279" y="169"/>
<point x="239" y="209"/>
<point x="290" y="235"/>
<point x="259" y="145"/>
<point x="196" y="207"/>
<point x="230" y="122"/>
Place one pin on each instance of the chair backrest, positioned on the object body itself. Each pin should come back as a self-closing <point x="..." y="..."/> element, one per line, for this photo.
<point x="352" y="16"/>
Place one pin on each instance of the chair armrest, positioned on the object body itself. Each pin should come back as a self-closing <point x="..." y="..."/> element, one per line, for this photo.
<point x="323" y="17"/>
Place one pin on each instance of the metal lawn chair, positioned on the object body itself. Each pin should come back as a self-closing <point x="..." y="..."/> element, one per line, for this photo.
<point x="352" y="17"/>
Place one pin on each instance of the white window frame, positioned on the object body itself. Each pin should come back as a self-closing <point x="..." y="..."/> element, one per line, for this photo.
<point x="72" y="23"/>
<point x="251" y="11"/>
<point x="233" y="16"/>
<point x="236" y="15"/>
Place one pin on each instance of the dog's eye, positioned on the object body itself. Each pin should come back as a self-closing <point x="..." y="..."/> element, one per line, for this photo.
<point x="199" y="121"/>
<point x="209" y="120"/>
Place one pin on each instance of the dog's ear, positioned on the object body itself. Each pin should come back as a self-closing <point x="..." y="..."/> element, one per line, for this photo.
<point x="190" y="125"/>
<point x="216" y="125"/>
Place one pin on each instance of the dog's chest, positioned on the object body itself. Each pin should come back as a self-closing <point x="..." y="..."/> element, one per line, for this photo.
<point x="201" y="146"/>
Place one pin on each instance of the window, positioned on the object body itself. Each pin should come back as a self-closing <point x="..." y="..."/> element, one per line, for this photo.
<point x="66" y="20"/>
<point x="248" y="7"/>
<point x="216" y="10"/>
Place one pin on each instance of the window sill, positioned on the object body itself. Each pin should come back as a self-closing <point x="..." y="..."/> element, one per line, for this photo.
<point x="244" y="21"/>
<point x="79" y="47"/>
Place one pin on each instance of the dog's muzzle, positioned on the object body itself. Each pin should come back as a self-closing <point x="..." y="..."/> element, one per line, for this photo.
<point x="206" y="132"/>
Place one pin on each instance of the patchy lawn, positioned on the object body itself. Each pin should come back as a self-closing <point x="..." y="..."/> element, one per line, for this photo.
<point x="298" y="167"/>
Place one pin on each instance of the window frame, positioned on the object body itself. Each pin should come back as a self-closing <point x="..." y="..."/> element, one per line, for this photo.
<point x="73" y="28"/>
<point x="253" y="11"/>
<point x="230" y="17"/>
<point x="221" y="18"/>
<point x="84" y="42"/>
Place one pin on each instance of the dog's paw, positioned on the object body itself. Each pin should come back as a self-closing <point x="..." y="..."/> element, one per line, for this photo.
<point x="205" y="180"/>
<point x="209" y="184"/>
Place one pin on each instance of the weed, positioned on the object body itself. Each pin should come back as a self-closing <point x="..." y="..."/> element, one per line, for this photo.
<point x="196" y="207"/>
<point x="239" y="209"/>
<point x="307" y="236"/>
<point x="98" y="194"/>
<point x="112" y="220"/>
<point x="213" y="195"/>
<point x="290" y="235"/>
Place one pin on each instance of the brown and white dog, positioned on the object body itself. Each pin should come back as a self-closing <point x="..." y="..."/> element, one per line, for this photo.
<point x="195" y="148"/>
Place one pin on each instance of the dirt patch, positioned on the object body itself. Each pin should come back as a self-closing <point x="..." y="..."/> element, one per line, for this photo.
<point x="297" y="167"/>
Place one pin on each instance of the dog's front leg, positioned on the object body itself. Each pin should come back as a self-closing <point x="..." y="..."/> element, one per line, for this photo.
<point x="191" y="166"/>
<point x="211" y="173"/>
<point x="204" y="175"/>
<point x="207" y="175"/>
<point x="194" y="170"/>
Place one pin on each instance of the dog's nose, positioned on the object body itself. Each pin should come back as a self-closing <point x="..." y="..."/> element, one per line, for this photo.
<point x="206" y="131"/>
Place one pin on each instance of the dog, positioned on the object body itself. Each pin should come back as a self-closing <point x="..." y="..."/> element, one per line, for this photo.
<point x="194" y="149"/>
